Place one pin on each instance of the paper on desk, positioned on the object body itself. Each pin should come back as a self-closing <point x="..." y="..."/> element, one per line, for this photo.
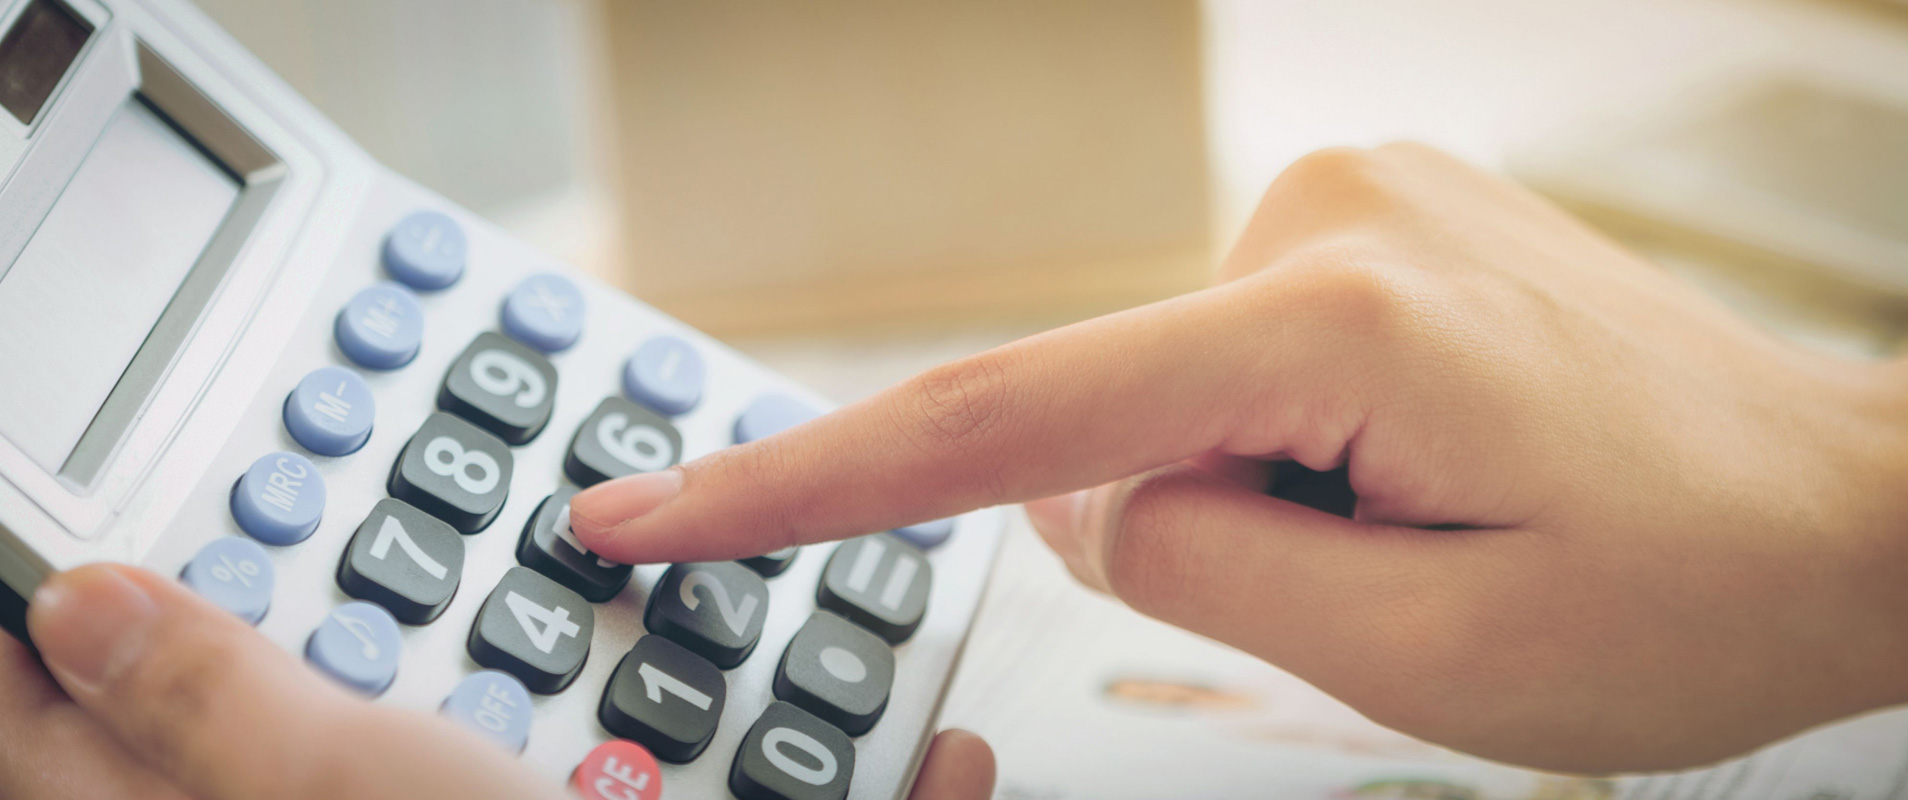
<point x="1083" y="699"/>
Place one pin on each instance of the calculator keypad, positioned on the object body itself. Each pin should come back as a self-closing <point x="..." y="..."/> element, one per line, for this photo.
<point x="665" y="698"/>
<point x="879" y="582"/>
<point x="502" y="386"/>
<point x="790" y="754"/>
<point x="621" y="438"/>
<point x="714" y="608"/>
<point x="405" y="560"/>
<point x="533" y="628"/>
<point x="838" y="671"/>
<point x="454" y="471"/>
<point x="549" y="547"/>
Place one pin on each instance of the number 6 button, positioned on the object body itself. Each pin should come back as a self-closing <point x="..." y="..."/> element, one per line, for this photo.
<point x="535" y="629"/>
<point x="455" y="471"/>
<point x="665" y="698"/>
<point x="503" y="386"/>
<point x="621" y="438"/>
<point x="405" y="560"/>
<point x="715" y="609"/>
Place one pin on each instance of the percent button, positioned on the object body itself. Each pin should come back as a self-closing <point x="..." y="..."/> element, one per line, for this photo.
<point x="235" y="574"/>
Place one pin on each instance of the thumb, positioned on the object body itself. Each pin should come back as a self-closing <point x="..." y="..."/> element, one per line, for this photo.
<point x="221" y="712"/>
<point x="1318" y="595"/>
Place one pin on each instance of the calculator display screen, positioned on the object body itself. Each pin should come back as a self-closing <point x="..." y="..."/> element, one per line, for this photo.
<point x="84" y="294"/>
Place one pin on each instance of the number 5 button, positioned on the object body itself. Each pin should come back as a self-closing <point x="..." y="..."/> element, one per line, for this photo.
<point x="454" y="471"/>
<point x="534" y="628"/>
<point x="715" y="609"/>
<point x="621" y="438"/>
<point x="503" y="386"/>
<point x="548" y="546"/>
<point x="665" y="698"/>
<point x="405" y="560"/>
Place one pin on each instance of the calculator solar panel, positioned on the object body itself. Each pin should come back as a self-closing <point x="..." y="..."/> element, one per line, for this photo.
<point x="358" y="425"/>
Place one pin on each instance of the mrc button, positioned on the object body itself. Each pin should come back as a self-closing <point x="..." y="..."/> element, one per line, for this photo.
<point x="280" y="499"/>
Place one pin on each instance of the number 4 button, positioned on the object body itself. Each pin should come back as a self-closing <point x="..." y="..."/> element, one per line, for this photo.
<point x="715" y="609"/>
<point x="533" y="628"/>
<point x="405" y="560"/>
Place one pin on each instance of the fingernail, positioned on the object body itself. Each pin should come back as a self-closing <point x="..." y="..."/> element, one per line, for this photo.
<point x="1058" y="516"/>
<point x="612" y="503"/>
<point x="89" y="624"/>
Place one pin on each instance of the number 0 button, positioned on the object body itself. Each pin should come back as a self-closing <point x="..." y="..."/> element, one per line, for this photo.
<point x="621" y="438"/>
<point x="879" y="582"/>
<point x="405" y="560"/>
<point x="714" y="608"/>
<point x="503" y="386"/>
<point x="454" y="471"/>
<point x="534" y="628"/>
<point x="665" y="698"/>
<point x="791" y="754"/>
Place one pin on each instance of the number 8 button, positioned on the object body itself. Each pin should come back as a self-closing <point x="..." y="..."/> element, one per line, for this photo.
<point x="715" y="609"/>
<point x="455" y="471"/>
<point x="503" y="386"/>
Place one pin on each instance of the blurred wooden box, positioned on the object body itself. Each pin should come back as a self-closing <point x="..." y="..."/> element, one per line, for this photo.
<point x="804" y="165"/>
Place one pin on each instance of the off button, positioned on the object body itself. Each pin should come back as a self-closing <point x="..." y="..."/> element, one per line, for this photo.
<point x="280" y="499"/>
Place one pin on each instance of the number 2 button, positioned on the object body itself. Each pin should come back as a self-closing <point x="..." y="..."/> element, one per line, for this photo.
<point x="503" y="386"/>
<point x="455" y="471"/>
<point x="534" y="628"/>
<point x="621" y="438"/>
<point x="715" y="609"/>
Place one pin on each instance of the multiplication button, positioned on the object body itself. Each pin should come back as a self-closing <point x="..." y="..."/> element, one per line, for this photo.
<point x="280" y="499"/>
<point x="454" y="471"/>
<point x="493" y="704"/>
<point x="330" y="412"/>
<point x="621" y="438"/>
<point x="665" y="698"/>
<point x="545" y="312"/>
<point x="535" y="629"/>
<point x="235" y="574"/>
<point x="405" y="560"/>
<point x="506" y="388"/>
<point x="715" y="609"/>
<point x="382" y="327"/>
<point x="879" y="582"/>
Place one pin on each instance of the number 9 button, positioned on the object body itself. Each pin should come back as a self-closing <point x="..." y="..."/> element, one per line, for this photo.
<point x="715" y="609"/>
<point x="454" y="471"/>
<point x="503" y="386"/>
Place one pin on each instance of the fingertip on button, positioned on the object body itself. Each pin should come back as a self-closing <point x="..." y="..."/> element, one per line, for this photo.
<point x="926" y="535"/>
<point x="280" y="499"/>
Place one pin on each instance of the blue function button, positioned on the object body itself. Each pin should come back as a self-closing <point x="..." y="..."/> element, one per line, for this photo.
<point x="382" y="327"/>
<point x="235" y="574"/>
<point x="494" y="704"/>
<point x="280" y="499"/>
<point x="666" y="374"/>
<point x="545" y="312"/>
<point x="927" y="535"/>
<point x="426" y="251"/>
<point x="358" y="645"/>
<point x="771" y="414"/>
<point x="330" y="412"/>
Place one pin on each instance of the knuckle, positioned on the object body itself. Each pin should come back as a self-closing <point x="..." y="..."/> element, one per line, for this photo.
<point x="958" y="408"/>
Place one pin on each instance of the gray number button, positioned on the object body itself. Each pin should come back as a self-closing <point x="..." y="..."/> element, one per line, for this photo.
<point x="664" y="698"/>
<point x="879" y="582"/>
<point x="550" y="547"/>
<point x="533" y="628"/>
<point x="621" y="438"/>
<point x="455" y="471"/>
<point x="507" y="388"/>
<point x="791" y="754"/>
<point x="715" y="609"/>
<point x="838" y="671"/>
<point x="405" y="560"/>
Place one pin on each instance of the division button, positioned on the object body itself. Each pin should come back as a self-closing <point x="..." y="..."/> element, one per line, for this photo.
<point x="665" y="698"/>
<point x="358" y="645"/>
<point x="405" y="560"/>
<point x="617" y="770"/>
<point x="770" y="565"/>
<point x="280" y="499"/>
<point x="926" y="535"/>
<point x="838" y="671"/>
<point x="235" y="574"/>
<point x="550" y="547"/>
<point x="880" y="583"/>
<point x="715" y="609"/>
<point x="493" y="704"/>
<point x="666" y="374"/>
<point x="534" y="628"/>
<point x="501" y="385"/>
<point x="771" y="414"/>
<point x="454" y="471"/>
<point x="621" y="438"/>
<point x="330" y="412"/>
<point x="790" y="754"/>
<point x="545" y="312"/>
<point x="426" y="251"/>
<point x="382" y="327"/>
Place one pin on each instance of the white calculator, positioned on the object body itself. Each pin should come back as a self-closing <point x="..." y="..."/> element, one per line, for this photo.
<point x="235" y="349"/>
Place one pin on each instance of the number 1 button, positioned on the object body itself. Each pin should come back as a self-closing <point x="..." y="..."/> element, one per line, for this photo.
<point x="715" y="609"/>
<point x="534" y="628"/>
<point x="621" y="438"/>
<point x="405" y="560"/>
<point x="503" y="386"/>
<point x="665" y="698"/>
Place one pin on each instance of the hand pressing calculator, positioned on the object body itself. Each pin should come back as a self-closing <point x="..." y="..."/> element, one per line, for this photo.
<point x="239" y="351"/>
